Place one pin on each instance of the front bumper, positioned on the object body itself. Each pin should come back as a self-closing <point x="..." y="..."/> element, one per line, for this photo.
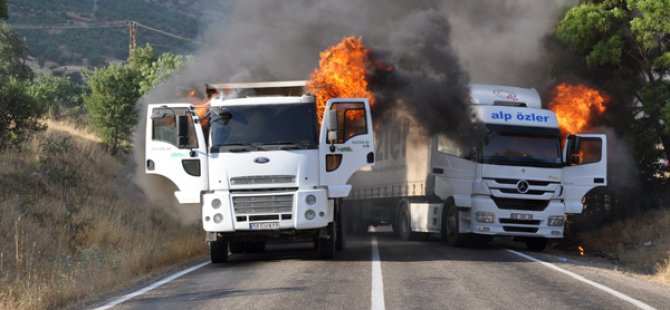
<point x="250" y="218"/>
<point x="505" y="225"/>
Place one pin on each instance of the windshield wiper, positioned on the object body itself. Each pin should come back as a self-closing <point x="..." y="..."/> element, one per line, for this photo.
<point x="236" y="147"/>
<point x="290" y="145"/>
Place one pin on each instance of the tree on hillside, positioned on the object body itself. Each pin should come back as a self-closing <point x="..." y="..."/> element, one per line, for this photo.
<point x="111" y="104"/>
<point x="4" y="12"/>
<point x="154" y="70"/>
<point x="57" y="93"/>
<point x="13" y="55"/>
<point x="628" y="43"/>
<point x="21" y="113"/>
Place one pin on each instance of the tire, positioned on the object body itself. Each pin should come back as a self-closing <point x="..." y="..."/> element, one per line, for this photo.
<point x="340" y="224"/>
<point x="326" y="246"/>
<point x="404" y="226"/>
<point x="537" y="244"/>
<point x="450" y="226"/>
<point x="236" y="247"/>
<point x="254" y="246"/>
<point x="218" y="251"/>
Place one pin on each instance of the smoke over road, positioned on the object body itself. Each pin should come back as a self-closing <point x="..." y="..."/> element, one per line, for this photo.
<point x="265" y="40"/>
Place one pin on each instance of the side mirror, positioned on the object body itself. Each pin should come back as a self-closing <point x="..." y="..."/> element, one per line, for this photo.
<point x="182" y="130"/>
<point x="332" y="126"/>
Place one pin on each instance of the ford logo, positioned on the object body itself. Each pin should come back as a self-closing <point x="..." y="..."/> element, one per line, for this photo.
<point x="261" y="160"/>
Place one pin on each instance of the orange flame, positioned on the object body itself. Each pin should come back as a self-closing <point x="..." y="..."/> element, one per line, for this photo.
<point x="581" y="250"/>
<point x="575" y="106"/>
<point x="341" y="73"/>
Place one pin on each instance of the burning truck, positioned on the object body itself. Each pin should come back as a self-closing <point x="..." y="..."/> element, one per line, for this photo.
<point x="267" y="167"/>
<point x="510" y="178"/>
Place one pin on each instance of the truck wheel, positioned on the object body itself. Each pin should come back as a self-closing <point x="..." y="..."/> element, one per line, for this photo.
<point x="405" y="227"/>
<point x="536" y="244"/>
<point x="326" y="246"/>
<point x="218" y="251"/>
<point x="236" y="247"/>
<point x="254" y="246"/>
<point x="450" y="226"/>
<point x="340" y="224"/>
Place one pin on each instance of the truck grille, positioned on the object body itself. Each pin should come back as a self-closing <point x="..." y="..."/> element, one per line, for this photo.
<point x="263" y="204"/>
<point x="520" y="204"/>
<point x="262" y="179"/>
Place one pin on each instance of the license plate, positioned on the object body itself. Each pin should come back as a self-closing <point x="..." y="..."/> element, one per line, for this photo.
<point x="264" y="226"/>
<point x="522" y="216"/>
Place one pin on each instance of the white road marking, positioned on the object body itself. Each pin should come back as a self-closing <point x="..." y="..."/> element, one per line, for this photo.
<point x="577" y="277"/>
<point x="152" y="286"/>
<point x="377" y="291"/>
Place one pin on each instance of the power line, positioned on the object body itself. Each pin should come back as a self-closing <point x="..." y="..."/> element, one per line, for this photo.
<point x="111" y="24"/>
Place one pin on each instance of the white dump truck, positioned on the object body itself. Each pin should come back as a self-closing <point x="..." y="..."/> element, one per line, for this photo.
<point x="511" y="178"/>
<point x="264" y="169"/>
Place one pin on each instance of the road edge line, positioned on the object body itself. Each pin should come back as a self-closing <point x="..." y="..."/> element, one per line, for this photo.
<point x="577" y="277"/>
<point x="124" y="298"/>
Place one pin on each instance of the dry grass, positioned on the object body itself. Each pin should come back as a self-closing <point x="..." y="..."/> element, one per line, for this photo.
<point x="67" y="232"/>
<point x="641" y="243"/>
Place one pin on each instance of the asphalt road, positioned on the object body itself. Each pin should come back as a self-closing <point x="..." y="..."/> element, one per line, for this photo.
<point x="413" y="275"/>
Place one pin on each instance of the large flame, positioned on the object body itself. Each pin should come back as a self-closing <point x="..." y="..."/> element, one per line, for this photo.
<point x="341" y="73"/>
<point x="576" y="106"/>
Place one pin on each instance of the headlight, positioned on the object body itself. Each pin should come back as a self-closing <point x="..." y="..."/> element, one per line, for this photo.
<point x="556" y="220"/>
<point x="310" y="199"/>
<point x="310" y="214"/>
<point x="218" y="218"/>
<point x="485" y="217"/>
<point x="216" y="203"/>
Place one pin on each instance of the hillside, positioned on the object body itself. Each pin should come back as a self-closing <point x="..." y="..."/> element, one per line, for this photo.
<point x="73" y="227"/>
<point x="87" y="47"/>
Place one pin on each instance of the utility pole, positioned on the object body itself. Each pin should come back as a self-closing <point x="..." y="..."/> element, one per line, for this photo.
<point x="132" y="37"/>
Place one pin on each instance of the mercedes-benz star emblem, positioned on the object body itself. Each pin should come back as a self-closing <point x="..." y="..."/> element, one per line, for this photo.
<point x="522" y="186"/>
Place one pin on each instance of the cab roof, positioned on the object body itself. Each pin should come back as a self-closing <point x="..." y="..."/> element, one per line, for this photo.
<point x="482" y="94"/>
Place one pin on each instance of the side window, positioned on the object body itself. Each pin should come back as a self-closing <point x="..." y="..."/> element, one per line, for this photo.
<point x="447" y="146"/>
<point x="165" y="128"/>
<point x="589" y="150"/>
<point x="351" y="120"/>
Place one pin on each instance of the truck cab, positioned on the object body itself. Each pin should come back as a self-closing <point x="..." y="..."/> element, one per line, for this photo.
<point x="265" y="168"/>
<point x="523" y="181"/>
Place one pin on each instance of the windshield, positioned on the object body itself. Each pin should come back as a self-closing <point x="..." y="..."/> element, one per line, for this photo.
<point x="522" y="146"/>
<point x="264" y="127"/>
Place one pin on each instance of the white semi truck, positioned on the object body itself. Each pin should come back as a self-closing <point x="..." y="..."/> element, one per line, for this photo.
<point x="509" y="179"/>
<point x="265" y="169"/>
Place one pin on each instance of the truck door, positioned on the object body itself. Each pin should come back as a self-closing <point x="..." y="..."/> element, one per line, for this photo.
<point x="176" y="149"/>
<point x="345" y="144"/>
<point x="585" y="157"/>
